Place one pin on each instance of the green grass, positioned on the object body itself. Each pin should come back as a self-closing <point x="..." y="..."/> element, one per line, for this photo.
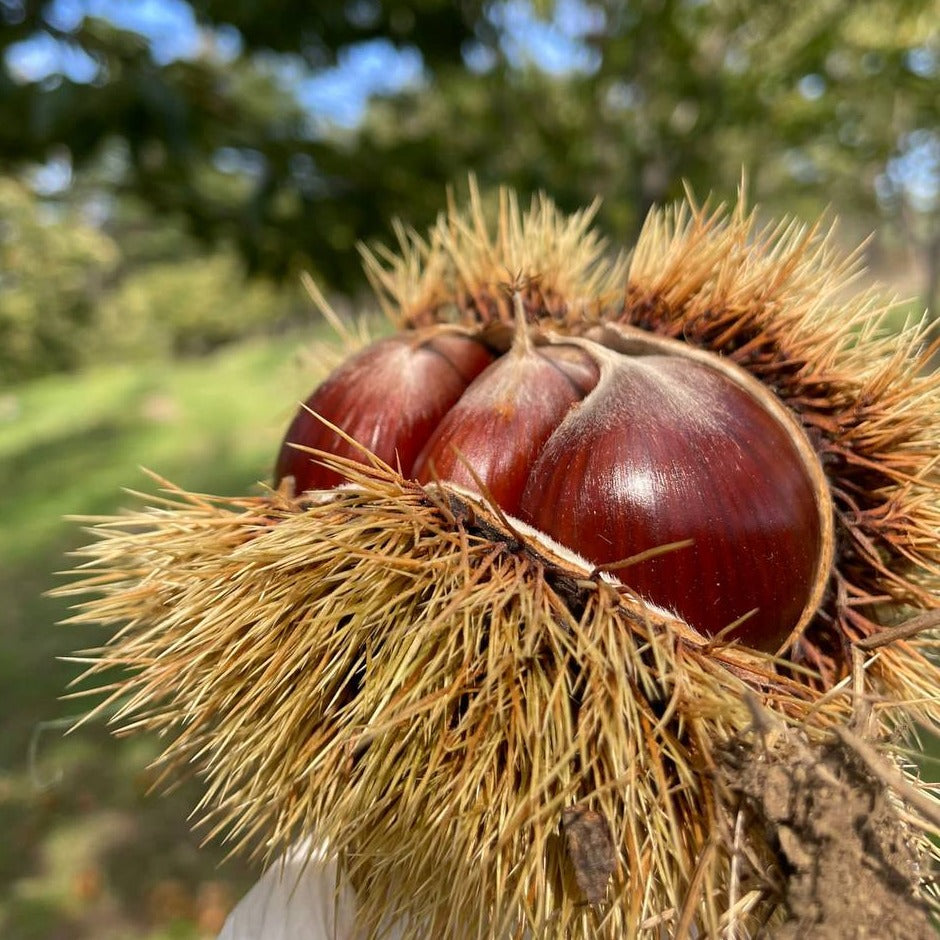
<point x="86" y="851"/>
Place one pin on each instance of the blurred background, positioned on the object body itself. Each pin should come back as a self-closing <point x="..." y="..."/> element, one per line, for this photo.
<point x="169" y="168"/>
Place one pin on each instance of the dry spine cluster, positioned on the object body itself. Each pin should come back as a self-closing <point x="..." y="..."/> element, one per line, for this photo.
<point x="401" y="671"/>
<point x="465" y="742"/>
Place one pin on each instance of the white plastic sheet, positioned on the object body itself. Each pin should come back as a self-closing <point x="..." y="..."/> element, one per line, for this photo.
<point x="297" y="899"/>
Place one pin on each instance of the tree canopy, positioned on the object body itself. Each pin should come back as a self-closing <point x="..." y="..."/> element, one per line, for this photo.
<point x="837" y="99"/>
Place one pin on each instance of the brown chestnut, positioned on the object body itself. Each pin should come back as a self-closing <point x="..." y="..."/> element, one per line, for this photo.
<point x="614" y="444"/>
<point x="494" y="432"/>
<point x="666" y="450"/>
<point x="388" y="398"/>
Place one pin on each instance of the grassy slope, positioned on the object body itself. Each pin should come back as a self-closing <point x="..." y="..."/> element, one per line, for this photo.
<point x="85" y="851"/>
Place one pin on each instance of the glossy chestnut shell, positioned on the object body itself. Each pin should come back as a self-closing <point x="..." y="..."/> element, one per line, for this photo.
<point x="615" y="444"/>
<point x="389" y="398"/>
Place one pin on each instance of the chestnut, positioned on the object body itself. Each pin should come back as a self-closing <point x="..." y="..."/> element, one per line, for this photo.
<point x="492" y="433"/>
<point x="387" y="398"/>
<point x="615" y="445"/>
<point x="668" y="450"/>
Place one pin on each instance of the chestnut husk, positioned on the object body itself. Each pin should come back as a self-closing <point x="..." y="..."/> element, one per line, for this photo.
<point x="433" y="688"/>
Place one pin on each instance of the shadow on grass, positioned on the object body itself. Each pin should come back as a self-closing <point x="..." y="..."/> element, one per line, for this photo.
<point x="87" y="852"/>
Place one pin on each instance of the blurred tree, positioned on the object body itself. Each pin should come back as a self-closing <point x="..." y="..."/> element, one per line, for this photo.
<point x="224" y="141"/>
<point x="52" y="277"/>
<point x="191" y="306"/>
<point x="622" y="99"/>
<point x="72" y="295"/>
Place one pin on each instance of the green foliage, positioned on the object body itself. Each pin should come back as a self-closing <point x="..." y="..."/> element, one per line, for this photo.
<point x="71" y="295"/>
<point x="53" y="273"/>
<point x="809" y="98"/>
<point x="317" y="30"/>
<point x="191" y="307"/>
